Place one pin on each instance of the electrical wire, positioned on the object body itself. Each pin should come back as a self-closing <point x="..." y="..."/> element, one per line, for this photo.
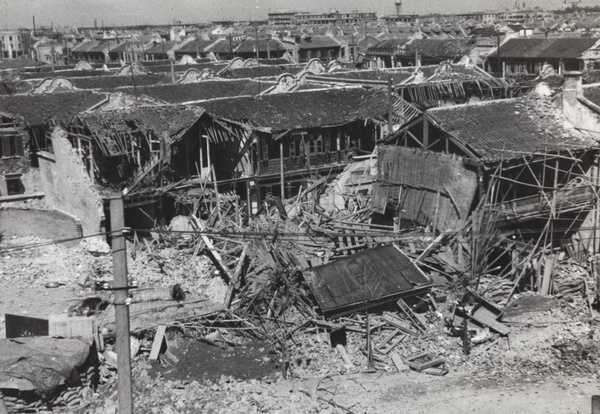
<point x="294" y="236"/>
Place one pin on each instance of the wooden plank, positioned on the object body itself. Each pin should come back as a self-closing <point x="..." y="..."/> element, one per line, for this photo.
<point x="400" y="324"/>
<point x="400" y="365"/>
<point x="159" y="338"/>
<point x="548" y="271"/>
<point x="342" y="350"/>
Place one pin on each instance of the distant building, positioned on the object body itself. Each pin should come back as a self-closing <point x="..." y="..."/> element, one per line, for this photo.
<point x="281" y="17"/>
<point x="333" y="17"/>
<point x="15" y="43"/>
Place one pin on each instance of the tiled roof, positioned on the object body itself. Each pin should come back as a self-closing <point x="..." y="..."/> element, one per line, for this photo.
<point x="310" y="109"/>
<point x="94" y="46"/>
<point x="169" y="119"/>
<point x="224" y="46"/>
<point x="19" y="63"/>
<point x="441" y="48"/>
<point x="182" y="68"/>
<point x="160" y="48"/>
<point x="556" y="48"/>
<point x="260" y="71"/>
<point x="397" y="75"/>
<point x="114" y="81"/>
<point x="249" y="46"/>
<point x="65" y="74"/>
<point x="318" y="42"/>
<point x="42" y="109"/>
<point x="194" y="46"/>
<point x="390" y="44"/>
<point x="381" y="274"/>
<point x="205" y="90"/>
<point x="509" y="128"/>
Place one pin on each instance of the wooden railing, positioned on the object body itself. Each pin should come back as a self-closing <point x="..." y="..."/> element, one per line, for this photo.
<point x="561" y="200"/>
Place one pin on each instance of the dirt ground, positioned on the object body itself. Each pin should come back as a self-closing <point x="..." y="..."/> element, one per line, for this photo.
<point x="548" y="364"/>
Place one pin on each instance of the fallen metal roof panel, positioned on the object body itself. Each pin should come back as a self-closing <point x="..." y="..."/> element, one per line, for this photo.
<point x="375" y="276"/>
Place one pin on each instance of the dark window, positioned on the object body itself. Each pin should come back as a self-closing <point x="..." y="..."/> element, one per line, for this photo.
<point x="11" y="146"/>
<point x="14" y="185"/>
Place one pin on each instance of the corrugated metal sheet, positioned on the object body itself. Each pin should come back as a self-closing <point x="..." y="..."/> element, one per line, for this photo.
<point x="374" y="275"/>
<point x="508" y="128"/>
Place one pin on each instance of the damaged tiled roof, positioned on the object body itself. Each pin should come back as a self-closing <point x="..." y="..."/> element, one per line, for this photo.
<point x="162" y="121"/>
<point x="50" y="108"/>
<point x="300" y="110"/>
<point x="509" y="128"/>
<point x="557" y="48"/>
<point x="378" y="275"/>
<point x="208" y="89"/>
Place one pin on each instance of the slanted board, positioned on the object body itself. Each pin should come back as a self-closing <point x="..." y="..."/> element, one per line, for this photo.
<point x="157" y="344"/>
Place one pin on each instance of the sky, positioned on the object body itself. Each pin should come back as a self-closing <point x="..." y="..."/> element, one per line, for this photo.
<point x="18" y="13"/>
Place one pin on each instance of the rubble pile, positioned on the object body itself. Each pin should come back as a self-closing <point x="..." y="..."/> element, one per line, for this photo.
<point x="220" y="278"/>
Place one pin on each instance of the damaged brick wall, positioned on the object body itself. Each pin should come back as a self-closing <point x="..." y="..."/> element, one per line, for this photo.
<point x="47" y="224"/>
<point x="67" y="186"/>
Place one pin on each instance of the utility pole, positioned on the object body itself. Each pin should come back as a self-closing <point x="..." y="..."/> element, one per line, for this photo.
<point x="117" y="222"/>
<point x="256" y="44"/>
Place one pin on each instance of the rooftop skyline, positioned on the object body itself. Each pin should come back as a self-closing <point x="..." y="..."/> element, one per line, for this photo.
<point x="18" y="13"/>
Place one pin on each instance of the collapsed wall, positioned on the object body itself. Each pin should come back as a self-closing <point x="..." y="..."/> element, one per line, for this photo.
<point x="67" y="186"/>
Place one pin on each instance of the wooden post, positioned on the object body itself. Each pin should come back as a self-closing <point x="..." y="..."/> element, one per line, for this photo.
<point x="390" y="108"/>
<point x="425" y="131"/>
<point x="172" y="71"/>
<point x="282" y="176"/>
<point x="121" y="308"/>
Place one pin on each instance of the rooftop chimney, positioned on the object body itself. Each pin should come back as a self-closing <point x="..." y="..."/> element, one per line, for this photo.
<point x="571" y="91"/>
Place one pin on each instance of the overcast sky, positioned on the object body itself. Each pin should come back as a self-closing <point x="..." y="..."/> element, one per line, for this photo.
<point x="18" y="13"/>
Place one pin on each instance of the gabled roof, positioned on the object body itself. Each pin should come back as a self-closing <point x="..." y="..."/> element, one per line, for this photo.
<point x="205" y="90"/>
<point x="552" y="48"/>
<point x="376" y="276"/>
<point x="509" y="128"/>
<point x="47" y="109"/>
<point x="301" y="110"/>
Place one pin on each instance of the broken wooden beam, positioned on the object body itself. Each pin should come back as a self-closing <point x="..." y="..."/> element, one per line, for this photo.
<point x="236" y="275"/>
<point x="211" y="248"/>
